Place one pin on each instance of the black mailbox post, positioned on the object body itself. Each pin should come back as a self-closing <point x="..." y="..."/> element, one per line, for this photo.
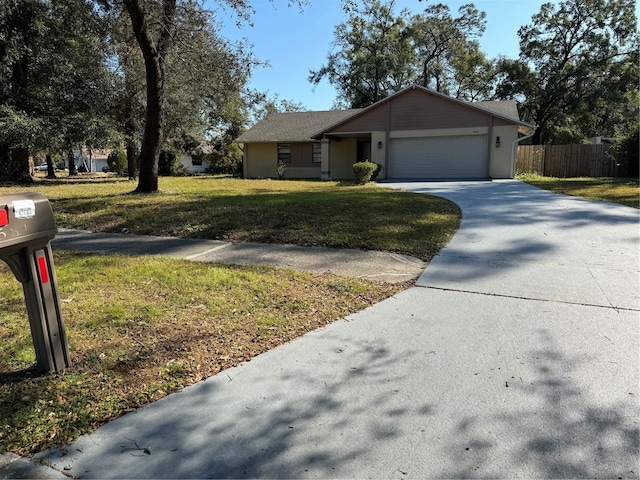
<point x="27" y="227"/>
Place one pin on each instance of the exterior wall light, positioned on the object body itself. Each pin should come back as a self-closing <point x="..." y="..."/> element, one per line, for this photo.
<point x="379" y="145"/>
<point x="497" y="142"/>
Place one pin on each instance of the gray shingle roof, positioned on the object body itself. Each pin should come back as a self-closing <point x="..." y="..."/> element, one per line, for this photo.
<point x="506" y="108"/>
<point x="292" y="126"/>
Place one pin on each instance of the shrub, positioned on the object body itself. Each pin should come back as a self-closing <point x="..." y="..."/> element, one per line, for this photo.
<point x="228" y="163"/>
<point x="117" y="161"/>
<point x="377" y="171"/>
<point x="363" y="171"/>
<point x="169" y="164"/>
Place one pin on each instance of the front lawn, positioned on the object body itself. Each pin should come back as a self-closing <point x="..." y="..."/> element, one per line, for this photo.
<point x="140" y="328"/>
<point x="269" y="211"/>
<point x="618" y="190"/>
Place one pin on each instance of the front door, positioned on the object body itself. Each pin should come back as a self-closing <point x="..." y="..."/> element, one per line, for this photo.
<point x="364" y="150"/>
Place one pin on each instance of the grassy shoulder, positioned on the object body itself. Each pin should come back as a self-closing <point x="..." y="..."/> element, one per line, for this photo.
<point x="625" y="191"/>
<point x="269" y="211"/>
<point x="140" y="328"/>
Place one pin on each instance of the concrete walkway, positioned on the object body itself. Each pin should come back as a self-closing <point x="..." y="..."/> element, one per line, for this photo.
<point x="515" y="357"/>
<point x="371" y="265"/>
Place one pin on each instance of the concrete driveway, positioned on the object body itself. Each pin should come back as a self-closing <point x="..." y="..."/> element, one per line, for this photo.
<point x="516" y="356"/>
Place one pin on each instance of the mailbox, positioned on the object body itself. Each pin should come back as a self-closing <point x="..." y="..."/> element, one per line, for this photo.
<point x="27" y="227"/>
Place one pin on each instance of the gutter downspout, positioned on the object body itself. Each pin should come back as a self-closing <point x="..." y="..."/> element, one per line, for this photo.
<point x="512" y="171"/>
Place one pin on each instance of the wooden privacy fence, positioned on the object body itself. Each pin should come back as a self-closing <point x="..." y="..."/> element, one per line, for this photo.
<point x="566" y="161"/>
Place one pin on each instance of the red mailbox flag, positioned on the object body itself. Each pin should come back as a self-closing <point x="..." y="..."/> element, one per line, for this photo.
<point x="4" y="217"/>
<point x="44" y="271"/>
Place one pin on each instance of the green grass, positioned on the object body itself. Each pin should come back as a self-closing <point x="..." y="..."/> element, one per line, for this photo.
<point x="618" y="190"/>
<point x="140" y="328"/>
<point x="268" y="211"/>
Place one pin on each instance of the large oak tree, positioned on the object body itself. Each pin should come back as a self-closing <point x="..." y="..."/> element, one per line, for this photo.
<point x="578" y="69"/>
<point x="378" y="52"/>
<point x="194" y="78"/>
<point x="155" y="52"/>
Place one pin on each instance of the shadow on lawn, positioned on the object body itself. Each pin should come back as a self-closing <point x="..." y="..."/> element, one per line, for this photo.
<point x="10" y="378"/>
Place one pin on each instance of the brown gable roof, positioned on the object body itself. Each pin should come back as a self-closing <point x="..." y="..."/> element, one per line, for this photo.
<point x="507" y="111"/>
<point x="293" y="126"/>
<point x="304" y="126"/>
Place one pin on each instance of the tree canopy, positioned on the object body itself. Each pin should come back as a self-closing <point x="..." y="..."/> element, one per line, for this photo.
<point x="578" y="69"/>
<point x="88" y="73"/>
<point x="374" y="57"/>
<point x="378" y="52"/>
<point x="55" y="80"/>
<point x="575" y="78"/>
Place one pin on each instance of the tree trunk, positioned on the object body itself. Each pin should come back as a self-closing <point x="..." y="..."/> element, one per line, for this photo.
<point x="14" y="165"/>
<point x="154" y="62"/>
<point x="51" y="173"/>
<point x="73" y="171"/>
<point x="425" y="76"/>
<point x="152" y="135"/>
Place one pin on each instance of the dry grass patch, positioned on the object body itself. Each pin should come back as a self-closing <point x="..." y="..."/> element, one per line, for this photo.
<point x="140" y="328"/>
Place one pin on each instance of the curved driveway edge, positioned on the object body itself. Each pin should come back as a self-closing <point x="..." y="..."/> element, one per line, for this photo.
<point x="459" y="378"/>
<point x="519" y="241"/>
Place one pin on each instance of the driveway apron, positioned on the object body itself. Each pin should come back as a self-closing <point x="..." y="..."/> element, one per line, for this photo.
<point x="515" y="356"/>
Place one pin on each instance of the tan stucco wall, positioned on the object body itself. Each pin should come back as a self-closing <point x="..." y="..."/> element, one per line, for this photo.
<point x="342" y="156"/>
<point x="261" y="160"/>
<point x="500" y="157"/>
<point x="302" y="172"/>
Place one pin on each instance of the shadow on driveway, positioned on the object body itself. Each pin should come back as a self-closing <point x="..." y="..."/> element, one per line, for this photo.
<point x="568" y="435"/>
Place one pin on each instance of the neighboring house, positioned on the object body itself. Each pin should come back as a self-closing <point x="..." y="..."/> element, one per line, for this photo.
<point x="94" y="160"/>
<point x="416" y="133"/>
<point x="192" y="165"/>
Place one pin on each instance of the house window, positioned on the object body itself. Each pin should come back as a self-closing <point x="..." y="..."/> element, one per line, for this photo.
<point x="284" y="153"/>
<point x="316" y="155"/>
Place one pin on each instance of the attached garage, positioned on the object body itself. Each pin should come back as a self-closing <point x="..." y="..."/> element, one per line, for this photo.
<point x="438" y="158"/>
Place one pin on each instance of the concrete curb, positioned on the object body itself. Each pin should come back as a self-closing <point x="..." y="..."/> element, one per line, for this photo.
<point x="14" y="466"/>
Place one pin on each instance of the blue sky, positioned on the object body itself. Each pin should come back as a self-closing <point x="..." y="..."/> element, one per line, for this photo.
<point x="295" y="41"/>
